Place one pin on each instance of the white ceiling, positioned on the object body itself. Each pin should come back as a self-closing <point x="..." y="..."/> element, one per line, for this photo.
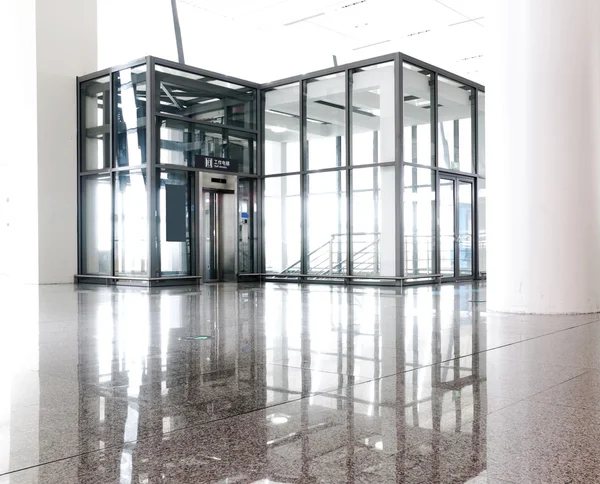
<point x="447" y="33"/>
<point x="265" y="40"/>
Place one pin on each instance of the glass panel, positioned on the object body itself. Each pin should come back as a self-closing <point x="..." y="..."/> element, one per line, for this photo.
<point x="180" y="142"/>
<point x="481" y="134"/>
<point x="455" y="147"/>
<point x="96" y="225"/>
<point x="373" y="222"/>
<point x="95" y="117"/>
<point x="175" y="222"/>
<point x="130" y="119"/>
<point x="418" y="116"/>
<point x="481" y="199"/>
<point x="242" y="148"/>
<point x="131" y="223"/>
<point x="282" y="130"/>
<point x="419" y="221"/>
<point x="373" y="132"/>
<point x="447" y="235"/>
<point x="282" y="224"/>
<point x="325" y="122"/>
<point x="465" y="228"/>
<point x="327" y="236"/>
<point x="248" y="226"/>
<point x="205" y="99"/>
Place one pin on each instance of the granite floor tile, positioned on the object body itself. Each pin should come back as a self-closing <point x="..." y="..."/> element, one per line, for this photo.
<point x="316" y="384"/>
<point x="540" y="443"/>
<point x="73" y="417"/>
<point x="582" y="392"/>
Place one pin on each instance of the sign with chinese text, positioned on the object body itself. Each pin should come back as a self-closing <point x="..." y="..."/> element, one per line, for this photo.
<point x="216" y="164"/>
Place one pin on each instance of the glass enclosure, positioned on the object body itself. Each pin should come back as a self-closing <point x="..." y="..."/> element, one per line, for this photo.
<point x="374" y="172"/>
<point x="370" y="172"/>
<point x="147" y="132"/>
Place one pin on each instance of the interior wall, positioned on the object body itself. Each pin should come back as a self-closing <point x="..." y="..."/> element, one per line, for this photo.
<point x="46" y="53"/>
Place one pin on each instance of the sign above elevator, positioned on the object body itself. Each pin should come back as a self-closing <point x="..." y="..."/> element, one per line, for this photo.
<point x="217" y="164"/>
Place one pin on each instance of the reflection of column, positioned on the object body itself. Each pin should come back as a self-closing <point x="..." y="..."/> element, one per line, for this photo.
<point x="390" y="332"/>
<point x="350" y="443"/>
<point x="415" y="359"/>
<point x="377" y="363"/>
<point x="55" y="406"/>
<point x="457" y="361"/>
<point x="340" y="344"/>
<point x="400" y="396"/>
<point x="480" y="410"/>
<point x="150" y="414"/>
<point x="258" y="350"/>
<point x="306" y="387"/>
<point x="281" y="353"/>
<point x="18" y="382"/>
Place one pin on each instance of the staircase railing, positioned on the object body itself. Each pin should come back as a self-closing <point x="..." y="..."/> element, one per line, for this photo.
<point x="330" y="257"/>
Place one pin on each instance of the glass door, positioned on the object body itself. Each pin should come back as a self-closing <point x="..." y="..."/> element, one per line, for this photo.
<point x="456" y="227"/>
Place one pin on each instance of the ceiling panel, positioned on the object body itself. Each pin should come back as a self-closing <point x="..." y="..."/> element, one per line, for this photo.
<point x="392" y="19"/>
<point x="469" y="8"/>
<point x="289" y="12"/>
<point x="231" y="8"/>
<point x="303" y="35"/>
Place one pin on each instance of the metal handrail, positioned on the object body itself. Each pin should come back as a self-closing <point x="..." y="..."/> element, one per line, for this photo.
<point x="316" y="263"/>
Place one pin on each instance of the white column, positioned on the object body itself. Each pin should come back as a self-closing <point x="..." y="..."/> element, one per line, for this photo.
<point x="543" y="152"/>
<point x="46" y="43"/>
<point x="387" y="201"/>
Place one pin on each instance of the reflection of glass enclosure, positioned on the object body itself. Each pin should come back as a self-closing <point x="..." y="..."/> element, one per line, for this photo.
<point x="337" y="177"/>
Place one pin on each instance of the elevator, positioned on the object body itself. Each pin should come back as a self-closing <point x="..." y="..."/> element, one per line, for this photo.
<point x="219" y="228"/>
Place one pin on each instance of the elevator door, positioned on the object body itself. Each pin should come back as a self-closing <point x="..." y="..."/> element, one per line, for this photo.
<point x="219" y="236"/>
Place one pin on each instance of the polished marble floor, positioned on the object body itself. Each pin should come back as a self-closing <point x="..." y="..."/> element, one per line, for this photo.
<point x="274" y="383"/>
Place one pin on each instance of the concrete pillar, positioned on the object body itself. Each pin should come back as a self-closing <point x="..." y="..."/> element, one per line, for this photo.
<point x="46" y="43"/>
<point x="543" y="155"/>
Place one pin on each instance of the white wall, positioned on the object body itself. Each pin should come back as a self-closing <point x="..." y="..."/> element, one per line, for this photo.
<point x="46" y="51"/>
<point x="18" y="138"/>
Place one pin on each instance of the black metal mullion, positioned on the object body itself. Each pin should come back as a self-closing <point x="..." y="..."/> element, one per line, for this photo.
<point x="303" y="181"/>
<point x="349" y="173"/>
<point x="376" y="203"/>
<point x="259" y="168"/>
<point x="437" y="243"/>
<point x="456" y="229"/>
<point x="112" y="106"/>
<point x="80" y="143"/>
<point x="475" y="158"/>
<point x="153" y="263"/>
<point x="399" y="166"/>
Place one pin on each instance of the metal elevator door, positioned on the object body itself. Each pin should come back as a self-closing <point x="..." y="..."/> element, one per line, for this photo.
<point x="219" y="236"/>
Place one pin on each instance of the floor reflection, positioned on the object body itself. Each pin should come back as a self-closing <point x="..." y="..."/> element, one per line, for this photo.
<point x="294" y="384"/>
